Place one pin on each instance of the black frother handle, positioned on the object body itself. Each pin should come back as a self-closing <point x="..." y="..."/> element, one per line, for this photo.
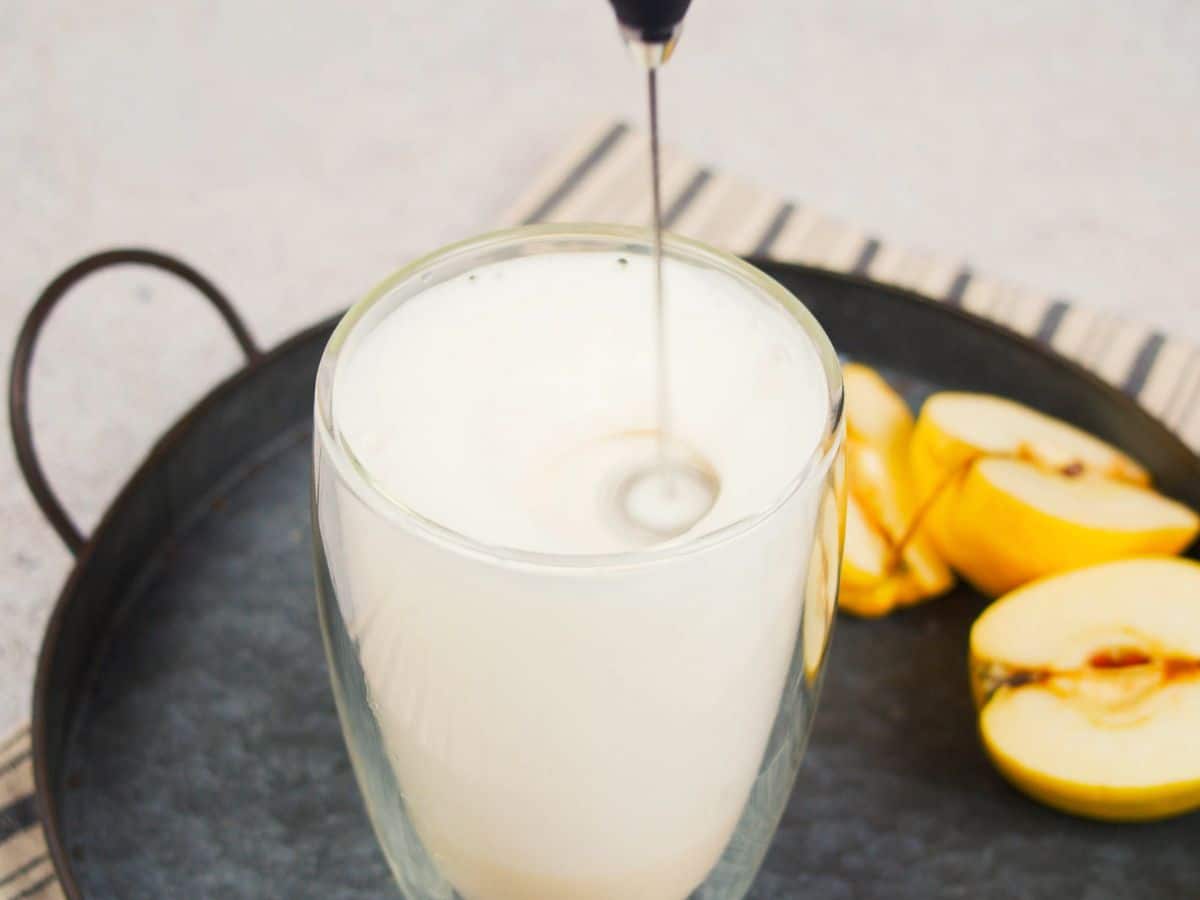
<point x="654" y="20"/>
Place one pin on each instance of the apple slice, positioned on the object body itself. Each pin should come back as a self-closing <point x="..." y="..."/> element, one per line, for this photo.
<point x="1011" y="522"/>
<point x="887" y="561"/>
<point x="956" y="427"/>
<point x="1088" y="688"/>
<point x="873" y="584"/>
<point x="875" y="413"/>
<point x="866" y="556"/>
<point x="1015" y="495"/>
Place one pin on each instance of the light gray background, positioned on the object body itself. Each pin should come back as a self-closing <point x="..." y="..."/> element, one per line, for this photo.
<point x="298" y="151"/>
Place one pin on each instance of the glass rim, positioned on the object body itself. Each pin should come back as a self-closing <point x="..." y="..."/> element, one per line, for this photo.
<point x="357" y="477"/>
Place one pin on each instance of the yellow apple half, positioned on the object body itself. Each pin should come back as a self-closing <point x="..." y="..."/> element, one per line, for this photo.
<point x="1088" y="688"/>
<point x="1016" y="495"/>
<point x="887" y="562"/>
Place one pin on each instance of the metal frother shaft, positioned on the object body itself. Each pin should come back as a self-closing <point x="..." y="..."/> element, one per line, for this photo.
<point x="669" y="496"/>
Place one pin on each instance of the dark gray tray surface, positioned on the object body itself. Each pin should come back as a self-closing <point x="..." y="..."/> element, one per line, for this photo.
<point x="207" y="760"/>
<point x="205" y="757"/>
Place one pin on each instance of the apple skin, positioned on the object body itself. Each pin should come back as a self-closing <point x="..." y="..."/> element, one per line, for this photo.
<point x="1107" y="804"/>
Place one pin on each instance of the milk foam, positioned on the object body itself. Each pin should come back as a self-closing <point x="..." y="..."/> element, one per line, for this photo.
<point x="501" y="404"/>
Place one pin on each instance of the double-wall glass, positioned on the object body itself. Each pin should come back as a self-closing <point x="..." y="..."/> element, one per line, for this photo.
<point x="528" y="726"/>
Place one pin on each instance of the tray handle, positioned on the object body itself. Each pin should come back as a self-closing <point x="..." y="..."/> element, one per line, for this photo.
<point x="22" y="361"/>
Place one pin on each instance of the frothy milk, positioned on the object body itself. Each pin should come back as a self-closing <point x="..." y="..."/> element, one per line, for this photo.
<point x="501" y="404"/>
<point x="559" y="730"/>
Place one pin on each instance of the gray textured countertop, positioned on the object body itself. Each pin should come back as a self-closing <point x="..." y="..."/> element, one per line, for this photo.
<point x="297" y="152"/>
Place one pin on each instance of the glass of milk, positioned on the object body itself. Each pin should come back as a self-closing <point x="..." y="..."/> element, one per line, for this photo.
<point x="542" y="700"/>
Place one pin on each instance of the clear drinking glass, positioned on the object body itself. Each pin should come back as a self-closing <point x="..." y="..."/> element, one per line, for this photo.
<point x="528" y="726"/>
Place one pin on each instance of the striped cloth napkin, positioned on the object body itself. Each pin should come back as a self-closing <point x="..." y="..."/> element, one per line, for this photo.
<point x="601" y="177"/>
<point x="25" y="869"/>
